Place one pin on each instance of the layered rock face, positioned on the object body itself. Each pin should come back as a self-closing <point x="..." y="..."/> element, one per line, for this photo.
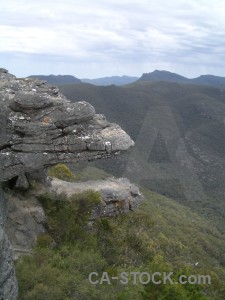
<point x="39" y="127"/>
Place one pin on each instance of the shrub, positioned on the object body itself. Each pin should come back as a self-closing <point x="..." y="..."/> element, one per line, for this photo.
<point x="62" y="172"/>
<point x="67" y="216"/>
<point x="44" y="241"/>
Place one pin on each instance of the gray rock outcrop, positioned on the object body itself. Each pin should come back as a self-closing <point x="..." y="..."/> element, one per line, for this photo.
<point x="39" y="127"/>
<point x="26" y="220"/>
<point x="118" y="194"/>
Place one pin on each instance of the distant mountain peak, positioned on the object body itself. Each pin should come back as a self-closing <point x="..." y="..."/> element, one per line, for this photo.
<point x="115" y="80"/>
<point x="162" y="75"/>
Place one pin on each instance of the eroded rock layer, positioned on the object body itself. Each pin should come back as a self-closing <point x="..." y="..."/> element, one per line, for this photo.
<point x="40" y="127"/>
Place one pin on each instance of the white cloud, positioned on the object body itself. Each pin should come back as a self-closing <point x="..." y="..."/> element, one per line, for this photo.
<point x="134" y="36"/>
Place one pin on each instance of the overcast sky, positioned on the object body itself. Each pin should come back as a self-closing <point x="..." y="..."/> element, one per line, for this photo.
<point x="96" y="38"/>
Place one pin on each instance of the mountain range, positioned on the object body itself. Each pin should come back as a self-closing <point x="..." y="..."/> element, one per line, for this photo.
<point x="173" y="77"/>
<point x="179" y="131"/>
<point x="57" y="79"/>
<point x="123" y="80"/>
<point x="116" y="80"/>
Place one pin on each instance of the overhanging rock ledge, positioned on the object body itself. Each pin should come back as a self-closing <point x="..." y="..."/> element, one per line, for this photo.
<point x="39" y="127"/>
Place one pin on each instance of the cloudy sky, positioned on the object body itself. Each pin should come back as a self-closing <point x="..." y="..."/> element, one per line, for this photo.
<point x="96" y="38"/>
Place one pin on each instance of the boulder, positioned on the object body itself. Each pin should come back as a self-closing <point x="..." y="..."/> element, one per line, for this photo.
<point x="118" y="194"/>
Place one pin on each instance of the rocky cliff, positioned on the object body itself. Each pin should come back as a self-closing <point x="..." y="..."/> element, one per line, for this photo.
<point x="39" y="127"/>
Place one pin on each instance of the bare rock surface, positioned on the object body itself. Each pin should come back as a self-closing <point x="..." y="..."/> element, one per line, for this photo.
<point x="26" y="220"/>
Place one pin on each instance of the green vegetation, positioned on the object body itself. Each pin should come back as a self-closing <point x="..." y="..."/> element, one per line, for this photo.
<point x="78" y="172"/>
<point x="67" y="216"/>
<point x="161" y="236"/>
<point x="62" y="172"/>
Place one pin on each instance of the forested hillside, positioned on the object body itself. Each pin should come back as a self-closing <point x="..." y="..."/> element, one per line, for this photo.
<point x="179" y="134"/>
<point x="161" y="236"/>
